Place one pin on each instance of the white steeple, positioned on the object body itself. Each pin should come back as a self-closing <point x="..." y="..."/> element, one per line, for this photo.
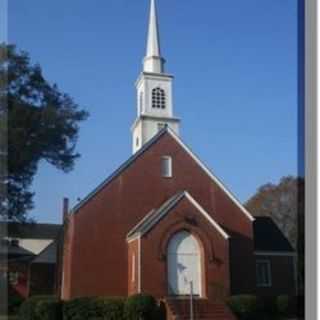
<point x="154" y="91"/>
<point x="153" y="62"/>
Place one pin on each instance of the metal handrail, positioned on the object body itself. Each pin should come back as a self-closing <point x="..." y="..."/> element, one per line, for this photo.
<point x="191" y="301"/>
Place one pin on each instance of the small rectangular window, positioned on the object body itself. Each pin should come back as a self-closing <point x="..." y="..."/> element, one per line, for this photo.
<point x="263" y="272"/>
<point x="166" y="167"/>
<point x="13" y="278"/>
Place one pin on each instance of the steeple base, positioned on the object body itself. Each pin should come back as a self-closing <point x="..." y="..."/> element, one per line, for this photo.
<point x="145" y="127"/>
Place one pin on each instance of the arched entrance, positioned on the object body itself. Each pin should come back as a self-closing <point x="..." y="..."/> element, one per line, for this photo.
<point x="184" y="264"/>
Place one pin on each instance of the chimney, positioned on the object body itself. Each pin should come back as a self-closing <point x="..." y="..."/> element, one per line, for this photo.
<point x="65" y="209"/>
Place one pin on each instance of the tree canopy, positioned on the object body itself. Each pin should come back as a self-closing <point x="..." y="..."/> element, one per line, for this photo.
<point x="43" y="124"/>
<point x="284" y="202"/>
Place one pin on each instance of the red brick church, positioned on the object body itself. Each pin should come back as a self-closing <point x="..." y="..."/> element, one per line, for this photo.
<point x="163" y="223"/>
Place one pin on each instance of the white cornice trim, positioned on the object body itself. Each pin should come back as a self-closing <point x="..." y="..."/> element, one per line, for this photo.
<point x="152" y="223"/>
<point x="205" y="213"/>
<point x="139" y="265"/>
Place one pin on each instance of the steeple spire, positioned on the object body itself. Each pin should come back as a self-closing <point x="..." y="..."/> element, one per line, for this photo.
<point x="153" y="62"/>
<point x="154" y="91"/>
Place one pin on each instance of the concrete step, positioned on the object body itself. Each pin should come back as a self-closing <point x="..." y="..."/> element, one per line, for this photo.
<point x="204" y="309"/>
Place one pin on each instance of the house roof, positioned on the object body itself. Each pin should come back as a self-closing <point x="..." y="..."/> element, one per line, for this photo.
<point x="12" y="251"/>
<point x="268" y="237"/>
<point x="155" y="215"/>
<point x="146" y="146"/>
<point x="29" y="230"/>
<point x="47" y="255"/>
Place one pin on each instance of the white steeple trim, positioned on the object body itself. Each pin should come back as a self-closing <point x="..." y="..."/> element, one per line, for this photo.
<point x="153" y="45"/>
<point x="153" y="62"/>
<point x="154" y="91"/>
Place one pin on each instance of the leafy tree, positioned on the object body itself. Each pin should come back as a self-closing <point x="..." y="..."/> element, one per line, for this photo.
<point x="43" y="124"/>
<point x="284" y="202"/>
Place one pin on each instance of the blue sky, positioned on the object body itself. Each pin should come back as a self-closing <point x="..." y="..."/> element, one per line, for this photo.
<point x="235" y="68"/>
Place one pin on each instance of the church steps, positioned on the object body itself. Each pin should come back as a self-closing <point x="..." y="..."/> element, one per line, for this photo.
<point x="179" y="309"/>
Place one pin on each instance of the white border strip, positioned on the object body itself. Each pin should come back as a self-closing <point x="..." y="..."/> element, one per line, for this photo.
<point x="139" y="265"/>
<point x="212" y="176"/>
<point x="197" y="205"/>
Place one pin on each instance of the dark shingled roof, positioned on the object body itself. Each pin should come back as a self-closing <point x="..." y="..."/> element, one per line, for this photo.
<point x="13" y="251"/>
<point x="48" y="255"/>
<point x="29" y="230"/>
<point x="268" y="237"/>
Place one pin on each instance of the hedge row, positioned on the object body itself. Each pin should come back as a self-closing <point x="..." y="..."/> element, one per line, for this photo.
<point x="250" y="307"/>
<point x="136" y="307"/>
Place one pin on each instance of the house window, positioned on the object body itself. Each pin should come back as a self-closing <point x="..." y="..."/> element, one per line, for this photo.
<point x="158" y="98"/>
<point x="263" y="273"/>
<point x="166" y="167"/>
<point x="13" y="278"/>
<point x="133" y="278"/>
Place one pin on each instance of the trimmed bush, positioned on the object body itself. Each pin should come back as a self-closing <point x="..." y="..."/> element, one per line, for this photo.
<point x="283" y="304"/>
<point x="81" y="309"/>
<point x="37" y="308"/>
<point x="14" y="301"/>
<point x="141" y="307"/>
<point x="112" y="308"/>
<point x="49" y="309"/>
<point x="244" y="306"/>
<point x="94" y="309"/>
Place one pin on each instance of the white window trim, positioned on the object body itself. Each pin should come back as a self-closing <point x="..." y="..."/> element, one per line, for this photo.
<point x="164" y="174"/>
<point x="133" y="269"/>
<point x="264" y="285"/>
<point x="139" y="265"/>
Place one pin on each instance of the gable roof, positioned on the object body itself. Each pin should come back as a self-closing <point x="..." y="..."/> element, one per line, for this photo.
<point x="48" y="255"/>
<point x="12" y="251"/>
<point x="155" y="215"/>
<point x="145" y="147"/>
<point x="268" y="237"/>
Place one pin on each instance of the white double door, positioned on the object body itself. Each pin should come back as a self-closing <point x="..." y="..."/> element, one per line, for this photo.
<point x="184" y="264"/>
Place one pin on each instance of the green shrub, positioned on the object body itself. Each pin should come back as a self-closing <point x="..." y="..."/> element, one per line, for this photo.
<point x="244" y="306"/>
<point x="112" y="308"/>
<point x="14" y="301"/>
<point x="30" y="308"/>
<point x="283" y="304"/>
<point x="94" y="308"/>
<point x="141" y="307"/>
<point x="49" y="309"/>
<point x="81" y="309"/>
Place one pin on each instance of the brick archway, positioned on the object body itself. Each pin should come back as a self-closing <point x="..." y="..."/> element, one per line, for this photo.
<point x="206" y="248"/>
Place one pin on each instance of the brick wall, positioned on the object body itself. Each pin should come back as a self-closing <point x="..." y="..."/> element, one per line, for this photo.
<point x="96" y="256"/>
